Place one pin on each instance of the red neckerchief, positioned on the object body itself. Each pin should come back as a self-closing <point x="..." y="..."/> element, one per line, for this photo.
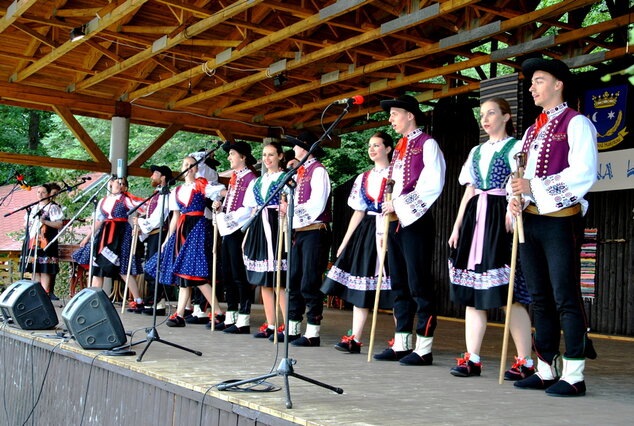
<point x="234" y="178"/>
<point x="300" y="173"/>
<point x="401" y="146"/>
<point x="540" y="121"/>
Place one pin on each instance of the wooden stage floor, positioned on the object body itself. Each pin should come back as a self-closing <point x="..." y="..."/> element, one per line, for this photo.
<point x="382" y="393"/>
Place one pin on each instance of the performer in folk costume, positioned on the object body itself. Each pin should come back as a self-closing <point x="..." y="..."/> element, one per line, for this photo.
<point x="418" y="169"/>
<point x="311" y="242"/>
<point x="261" y="241"/>
<point x="479" y="264"/>
<point x="207" y="170"/>
<point x="55" y="189"/>
<point x="44" y="222"/>
<point x="112" y="243"/>
<point x="186" y="254"/>
<point x="354" y="275"/>
<point x="561" y="168"/>
<point x="149" y="224"/>
<point x="233" y="215"/>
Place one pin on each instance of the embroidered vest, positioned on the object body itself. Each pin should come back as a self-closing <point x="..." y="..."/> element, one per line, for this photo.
<point x="552" y="157"/>
<point x="303" y="192"/>
<point x="412" y="162"/>
<point x="499" y="167"/>
<point x="238" y="191"/>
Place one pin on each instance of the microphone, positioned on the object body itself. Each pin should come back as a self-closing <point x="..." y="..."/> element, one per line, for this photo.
<point x="120" y="168"/>
<point x="355" y="100"/>
<point x="85" y="178"/>
<point x="22" y="182"/>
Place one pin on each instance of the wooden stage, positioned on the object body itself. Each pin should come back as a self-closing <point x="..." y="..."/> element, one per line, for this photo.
<point x="167" y="387"/>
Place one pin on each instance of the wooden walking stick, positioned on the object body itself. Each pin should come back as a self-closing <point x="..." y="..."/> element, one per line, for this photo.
<point x="518" y="237"/>
<point x="389" y="187"/>
<point x="135" y="238"/>
<point x="214" y="273"/>
<point x="281" y="230"/>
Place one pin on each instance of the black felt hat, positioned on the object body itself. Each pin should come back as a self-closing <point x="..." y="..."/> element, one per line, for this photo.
<point x="552" y="66"/>
<point x="406" y="102"/>
<point x="242" y="148"/>
<point x="163" y="170"/>
<point x="305" y="140"/>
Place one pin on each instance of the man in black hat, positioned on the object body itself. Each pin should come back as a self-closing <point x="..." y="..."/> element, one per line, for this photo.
<point x="418" y="170"/>
<point x="311" y="242"/>
<point x="150" y="226"/>
<point x="232" y="216"/>
<point x="561" y="149"/>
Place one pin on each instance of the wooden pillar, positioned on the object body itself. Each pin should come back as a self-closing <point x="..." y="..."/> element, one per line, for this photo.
<point x="119" y="139"/>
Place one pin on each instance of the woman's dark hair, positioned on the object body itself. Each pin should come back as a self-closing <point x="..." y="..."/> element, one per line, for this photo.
<point x="47" y="186"/>
<point x="506" y="109"/>
<point x="387" y="141"/>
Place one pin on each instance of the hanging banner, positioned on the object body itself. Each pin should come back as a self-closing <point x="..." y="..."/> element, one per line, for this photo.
<point x="607" y="109"/>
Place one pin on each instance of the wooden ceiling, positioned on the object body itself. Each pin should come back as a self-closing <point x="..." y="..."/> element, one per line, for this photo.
<point x="213" y="66"/>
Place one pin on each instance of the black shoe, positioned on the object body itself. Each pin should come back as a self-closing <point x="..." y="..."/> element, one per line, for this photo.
<point x="188" y="311"/>
<point x="135" y="307"/>
<point x="348" y="344"/>
<point x="234" y="329"/>
<point x="150" y="311"/>
<point x="563" y="388"/>
<point x="534" y="382"/>
<point x="280" y="337"/>
<point x="265" y="332"/>
<point x="194" y="319"/>
<point x="415" y="359"/>
<point x="518" y="372"/>
<point x="466" y="368"/>
<point x="306" y="341"/>
<point x="53" y="297"/>
<point x="391" y="355"/>
<point x="175" y="321"/>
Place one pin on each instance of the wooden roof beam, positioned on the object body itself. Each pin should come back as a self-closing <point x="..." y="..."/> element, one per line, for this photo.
<point x="80" y="133"/>
<point x="296" y="28"/>
<point x="444" y="8"/>
<point x="404" y="57"/>
<point x="15" y="11"/>
<point x="151" y="149"/>
<point x="478" y="61"/>
<point x="34" y="34"/>
<point x="118" y="13"/>
<point x="195" y="29"/>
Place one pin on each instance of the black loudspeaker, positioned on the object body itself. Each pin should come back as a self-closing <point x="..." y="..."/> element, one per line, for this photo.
<point x="28" y="305"/>
<point x="93" y="321"/>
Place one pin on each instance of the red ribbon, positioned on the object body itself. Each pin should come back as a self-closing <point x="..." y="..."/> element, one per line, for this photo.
<point x="300" y="173"/>
<point x="401" y="146"/>
<point x="234" y="178"/>
<point x="541" y="120"/>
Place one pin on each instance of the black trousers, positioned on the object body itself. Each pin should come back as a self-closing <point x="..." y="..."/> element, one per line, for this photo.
<point x="238" y="291"/>
<point x="551" y="266"/>
<point x="410" y="251"/>
<point x="309" y="258"/>
<point x="164" y="291"/>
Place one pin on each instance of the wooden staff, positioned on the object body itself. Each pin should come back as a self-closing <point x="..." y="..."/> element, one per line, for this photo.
<point x="135" y="237"/>
<point x="389" y="187"/>
<point x="281" y="230"/>
<point x="518" y="237"/>
<point x="214" y="272"/>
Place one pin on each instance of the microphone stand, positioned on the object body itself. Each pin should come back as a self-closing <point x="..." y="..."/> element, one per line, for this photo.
<point x="285" y="368"/>
<point x="151" y="332"/>
<point x="27" y="236"/>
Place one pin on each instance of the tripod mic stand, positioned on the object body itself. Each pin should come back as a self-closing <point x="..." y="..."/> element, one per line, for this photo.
<point x="285" y="368"/>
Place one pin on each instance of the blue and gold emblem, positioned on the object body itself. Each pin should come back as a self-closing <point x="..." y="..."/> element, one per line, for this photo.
<point x="606" y="109"/>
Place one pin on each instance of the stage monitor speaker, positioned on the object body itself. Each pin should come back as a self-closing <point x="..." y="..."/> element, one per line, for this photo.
<point x="28" y="305"/>
<point x="93" y="321"/>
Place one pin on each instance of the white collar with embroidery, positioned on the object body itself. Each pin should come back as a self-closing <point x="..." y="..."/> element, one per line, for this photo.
<point x="554" y="112"/>
<point x="413" y="134"/>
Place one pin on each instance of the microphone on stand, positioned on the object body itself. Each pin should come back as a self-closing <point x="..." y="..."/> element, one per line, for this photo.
<point x="85" y="178"/>
<point x="355" y="100"/>
<point x="22" y="182"/>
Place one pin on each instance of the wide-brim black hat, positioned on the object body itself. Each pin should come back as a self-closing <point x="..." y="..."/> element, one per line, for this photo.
<point x="163" y="170"/>
<point x="406" y="102"/>
<point x="305" y="140"/>
<point x="242" y="148"/>
<point x="552" y="66"/>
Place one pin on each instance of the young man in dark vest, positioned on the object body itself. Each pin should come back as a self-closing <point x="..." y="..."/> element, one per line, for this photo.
<point x="561" y="168"/>
<point x="150" y="227"/>
<point x="233" y="215"/>
<point x="418" y="169"/>
<point x="311" y="242"/>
